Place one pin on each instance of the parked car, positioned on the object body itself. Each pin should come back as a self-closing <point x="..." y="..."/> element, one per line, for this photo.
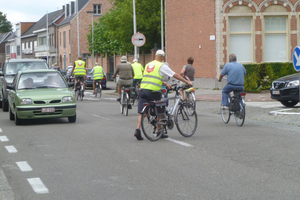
<point x="286" y="90"/>
<point x="68" y="73"/>
<point x="90" y="78"/>
<point x="40" y="94"/>
<point x="10" y="69"/>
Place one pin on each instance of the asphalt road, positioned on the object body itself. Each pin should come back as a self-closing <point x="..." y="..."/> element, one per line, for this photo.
<point x="98" y="157"/>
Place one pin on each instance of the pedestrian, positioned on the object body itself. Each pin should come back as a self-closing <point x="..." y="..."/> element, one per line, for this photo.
<point x="235" y="78"/>
<point x="126" y="73"/>
<point x="79" y="71"/>
<point x="98" y="75"/>
<point x="151" y="84"/>
<point x="138" y="72"/>
<point x="187" y="72"/>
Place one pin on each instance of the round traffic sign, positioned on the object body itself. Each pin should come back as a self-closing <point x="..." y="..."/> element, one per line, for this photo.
<point x="138" y="39"/>
<point x="296" y="58"/>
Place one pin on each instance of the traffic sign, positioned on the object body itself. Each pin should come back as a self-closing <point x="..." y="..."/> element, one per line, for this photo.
<point x="138" y="39"/>
<point x="296" y="58"/>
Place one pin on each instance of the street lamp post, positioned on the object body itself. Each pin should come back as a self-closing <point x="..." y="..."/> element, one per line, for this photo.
<point x="93" y="56"/>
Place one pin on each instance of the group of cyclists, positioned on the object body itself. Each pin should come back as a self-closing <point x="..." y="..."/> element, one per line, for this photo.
<point x="155" y="75"/>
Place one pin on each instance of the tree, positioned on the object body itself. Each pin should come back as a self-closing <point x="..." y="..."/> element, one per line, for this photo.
<point x="117" y="26"/>
<point x="5" y="26"/>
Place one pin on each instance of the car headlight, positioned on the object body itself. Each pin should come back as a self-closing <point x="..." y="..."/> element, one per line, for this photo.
<point x="293" y="83"/>
<point x="26" y="101"/>
<point x="67" y="99"/>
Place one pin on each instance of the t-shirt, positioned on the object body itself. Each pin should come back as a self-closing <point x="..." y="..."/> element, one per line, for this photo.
<point x="235" y="73"/>
<point x="124" y="70"/>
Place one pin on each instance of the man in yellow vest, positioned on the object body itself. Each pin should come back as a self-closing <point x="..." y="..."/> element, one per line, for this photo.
<point x="138" y="72"/>
<point x="79" y="71"/>
<point x="98" y="75"/>
<point x="152" y="81"/>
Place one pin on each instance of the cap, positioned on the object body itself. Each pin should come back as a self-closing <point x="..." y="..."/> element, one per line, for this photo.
<point x="134" y="60"/>
<point x="123" y="59"/>
<point x="160" y="52"/>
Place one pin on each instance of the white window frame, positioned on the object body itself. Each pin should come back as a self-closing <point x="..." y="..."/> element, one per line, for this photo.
<point x="96" y="9"/>
<point x="241" y="33"/>
<point x="286" y="32"/>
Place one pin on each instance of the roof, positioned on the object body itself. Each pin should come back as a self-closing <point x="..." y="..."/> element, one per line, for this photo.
<point x="12" y="36"/>
<point x="81" y="4"/>
<point x="42" y="23"/>
<point x="4" y="36"/>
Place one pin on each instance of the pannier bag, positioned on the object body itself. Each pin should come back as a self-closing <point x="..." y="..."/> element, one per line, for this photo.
<point x="234" y="104"/>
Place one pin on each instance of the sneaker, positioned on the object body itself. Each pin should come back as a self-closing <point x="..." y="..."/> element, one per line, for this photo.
<point x="138" y="135"/>
<point x="224" y="107"/>
<point x="119" y="99"/>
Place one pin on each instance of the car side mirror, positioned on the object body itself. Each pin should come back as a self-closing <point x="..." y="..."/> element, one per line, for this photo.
<point x="11" y="87"/>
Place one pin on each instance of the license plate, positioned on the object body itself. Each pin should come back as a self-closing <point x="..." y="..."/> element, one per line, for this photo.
<point x="47" y="110"/>
<point x="276" y="92"/>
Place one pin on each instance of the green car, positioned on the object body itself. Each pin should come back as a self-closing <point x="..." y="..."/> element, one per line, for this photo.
<point x="36" y="94"/>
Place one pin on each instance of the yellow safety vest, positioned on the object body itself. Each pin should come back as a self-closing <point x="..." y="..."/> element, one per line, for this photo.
<point x="138" y="70"/>
<point x="98" y="73"/>
<point x="151" y="79"/>
<point x="79" y="68"/>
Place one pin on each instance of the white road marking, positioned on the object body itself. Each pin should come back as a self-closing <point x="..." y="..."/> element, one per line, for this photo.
<point x="264" y="104"/>
<point x="38" y="186"/>
<point x="179" y="142"/>
<point x="283" y="112"/>
<point x="100" y="117"/>
<point x="11" y="149"/>
<point x="4" y="138"/>
<point x="24" y="166"/>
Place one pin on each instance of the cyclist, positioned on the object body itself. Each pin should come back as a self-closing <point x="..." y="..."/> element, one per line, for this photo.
<point x="235" y="78"/>
<point x="79" y="71"/>
<point x="138" y="72"/>
<point x="151" y="84"/>
<point x="98" y="75"/>
<point x="189" y="72"/>
<point x="126" y="73"/>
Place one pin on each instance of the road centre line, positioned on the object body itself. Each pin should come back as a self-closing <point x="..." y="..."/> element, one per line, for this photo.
<point x="179" y="142"/>
<point x="11" y="149"/>
<point x="100" y="117"/>
<point x="38" y="186"/>
<point x="24" y="166"/>
<point x="4" y="138"/>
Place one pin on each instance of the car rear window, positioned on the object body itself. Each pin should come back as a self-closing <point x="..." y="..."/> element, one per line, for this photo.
<point x="13" y="67"/>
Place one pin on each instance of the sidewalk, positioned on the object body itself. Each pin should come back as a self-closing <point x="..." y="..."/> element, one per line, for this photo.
<point x="210" y="95"/>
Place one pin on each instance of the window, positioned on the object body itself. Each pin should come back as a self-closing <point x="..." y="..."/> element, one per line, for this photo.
<point x="35" y="43"/>
<point x="8" y="49"/>
<point x="42" y="41"/>
<point x="275" y="39"/>
<point x="64" y="39"/>
<point x="23" y="46"/>
<point x="240" y="33"/>
<point x="18" y="50"/>
<point x="97" y="9"/>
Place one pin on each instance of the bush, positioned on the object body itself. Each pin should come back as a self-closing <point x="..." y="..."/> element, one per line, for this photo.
<point x="259" y="76"/>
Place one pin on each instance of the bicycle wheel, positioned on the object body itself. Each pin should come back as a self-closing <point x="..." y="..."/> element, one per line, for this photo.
<point x="126" y="103"/>
<point x="190" y="98"/>
<point x="96" y="90"/>
<point x="100" y="90"/>
<point x="149" y="125"/>
<point x="186" y="124"/>
<point x="81" y="95"/>
<point x="225" y="113"/>
<point x="77" y="94"/>
<point x="122" y="104"/>
<point x="240" y="115"/>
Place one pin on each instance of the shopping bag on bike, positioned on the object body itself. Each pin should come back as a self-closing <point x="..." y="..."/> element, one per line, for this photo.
<point x="234" y="104"/>
<point x="158" y="108"/>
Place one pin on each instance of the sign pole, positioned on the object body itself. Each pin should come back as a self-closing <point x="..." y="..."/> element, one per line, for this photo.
<point x="296" y="63"/>
<point x="134" y="29"/>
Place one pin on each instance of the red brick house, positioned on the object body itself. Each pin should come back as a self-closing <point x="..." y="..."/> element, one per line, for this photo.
<point x="209" y="30"/>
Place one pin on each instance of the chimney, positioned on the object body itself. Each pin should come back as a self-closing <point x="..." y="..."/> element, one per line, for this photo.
<point x="68" y="10"/>
<point x="72" y="3"/>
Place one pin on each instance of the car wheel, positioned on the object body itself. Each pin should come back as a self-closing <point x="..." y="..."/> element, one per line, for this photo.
<point x="289" y="104"/>
<point x="18" y="121"/>
<point x="11" y="115"/>
<point x="4" y="105"/>
<point x="72" y="119"/>
<point x="0" y="104"/>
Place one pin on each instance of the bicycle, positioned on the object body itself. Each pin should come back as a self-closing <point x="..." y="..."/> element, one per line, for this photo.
<point x="236" y="108"/>
<point x="135" y="93"/>
<point x="79" y="89"/>
<point x="190" y="98"/>
<point x="98" y="87"/>
<point x="125" y="100"/>
<point x="156" y="117"/>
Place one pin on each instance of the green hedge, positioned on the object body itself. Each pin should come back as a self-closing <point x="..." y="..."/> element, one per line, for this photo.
<point x="259" y="76"/>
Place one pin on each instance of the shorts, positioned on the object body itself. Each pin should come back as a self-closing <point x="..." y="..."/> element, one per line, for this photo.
<point x="147" y="96"/>
<point x="82" y="78"/>
<point x="125" y="83"/>
<point x="182" y="84"/>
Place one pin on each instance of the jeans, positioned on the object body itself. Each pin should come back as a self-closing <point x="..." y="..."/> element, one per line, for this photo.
<point x="225" y="93"/>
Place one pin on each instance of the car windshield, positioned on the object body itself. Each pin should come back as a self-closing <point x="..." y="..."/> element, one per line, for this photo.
<point x="13" y="67"/>
<point x="37" y="80"/>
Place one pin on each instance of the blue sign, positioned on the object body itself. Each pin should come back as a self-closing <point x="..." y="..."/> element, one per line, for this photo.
<point x="296" y="58"/>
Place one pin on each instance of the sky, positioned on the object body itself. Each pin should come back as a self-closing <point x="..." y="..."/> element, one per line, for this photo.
<point x="29" y="10"/>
